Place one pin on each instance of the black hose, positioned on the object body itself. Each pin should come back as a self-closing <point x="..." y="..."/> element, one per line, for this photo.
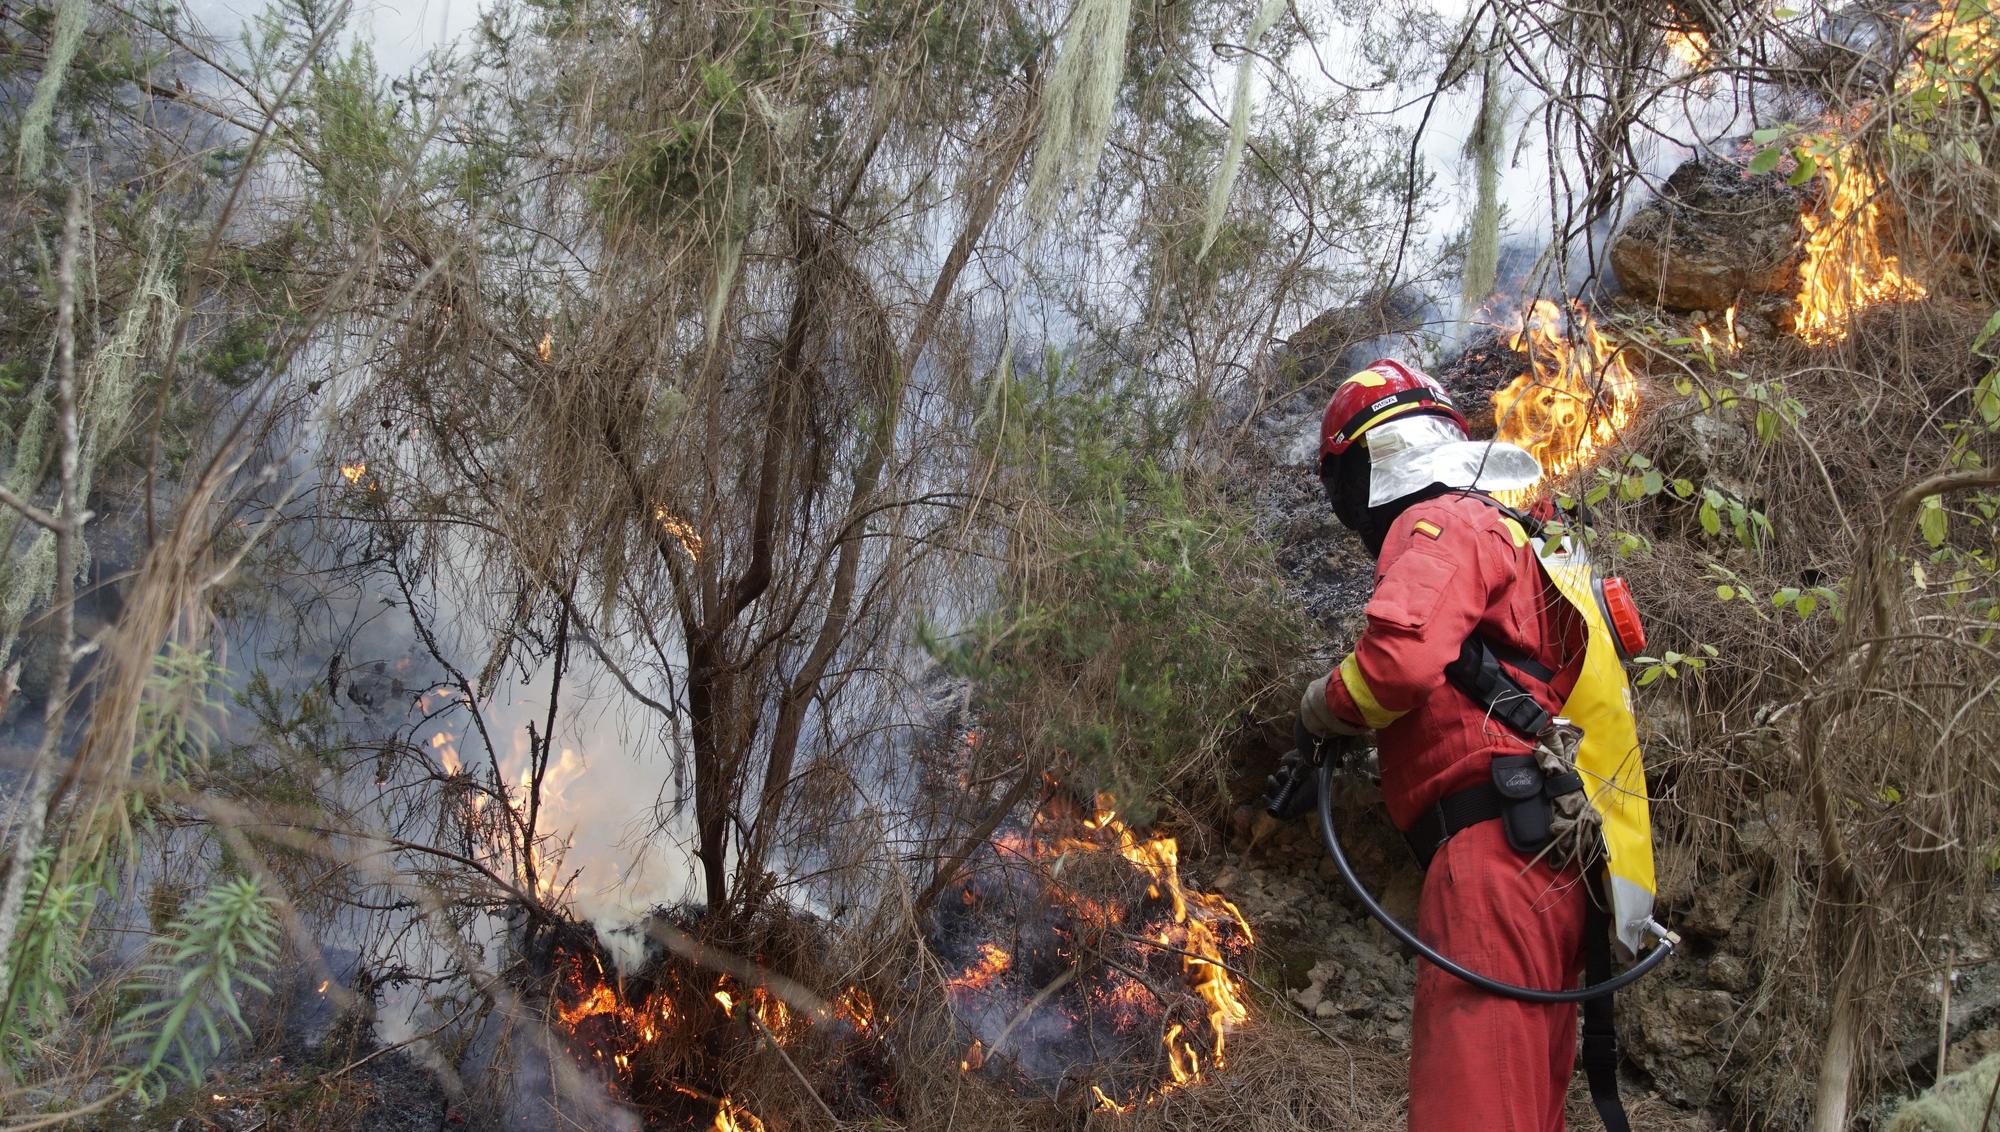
<point x="1653" y="958"/>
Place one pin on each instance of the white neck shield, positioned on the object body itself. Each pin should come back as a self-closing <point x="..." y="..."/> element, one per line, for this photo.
<point x="1414" y="451"/>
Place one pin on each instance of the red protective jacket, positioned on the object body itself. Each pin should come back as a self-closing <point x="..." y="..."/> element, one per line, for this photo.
<point x="1449" y="566"/>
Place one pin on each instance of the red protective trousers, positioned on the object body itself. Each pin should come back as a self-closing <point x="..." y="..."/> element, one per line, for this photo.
<point x="1452" y="566"/>
<point x="1480" y="1062"/>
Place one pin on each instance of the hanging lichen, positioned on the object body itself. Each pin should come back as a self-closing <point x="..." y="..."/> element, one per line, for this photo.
<point x="72" y="17"/>
<point x="1078" y="101"/>
<point x="110" y="381"/>
<point x="1482" y="237"/>
<point x="1239" y="127"/>
<point x="728" y="258"/>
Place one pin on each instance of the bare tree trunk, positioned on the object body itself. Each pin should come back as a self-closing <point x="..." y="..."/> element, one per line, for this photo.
<point x="33" y="806"/>
<point x="1837" y="1060"/>
<point x="1010" y="150"/>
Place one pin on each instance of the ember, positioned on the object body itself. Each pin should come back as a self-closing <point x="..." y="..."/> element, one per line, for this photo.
<point x="663" y="1038"/>
<point x="1067" y="982"/>
<point x="1575" y="398"/>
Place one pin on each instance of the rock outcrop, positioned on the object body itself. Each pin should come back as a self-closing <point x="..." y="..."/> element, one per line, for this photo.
<point x="1715" y="233"/>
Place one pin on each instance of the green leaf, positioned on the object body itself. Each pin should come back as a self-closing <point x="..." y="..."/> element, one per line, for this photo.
<point x="1986" y="398"/>
<point x="1806" y="604"/>
<point x="1933" y="521"/>
<point x="1650" y="675"/>
<point x="1986" y="332"/>
<point x="1767" y="135"/>
<point x="1767" y="425"/>
<point x="1766" y="159"/>
<point x="1806" y="170"/>
<point x="1652" y="482"/>
<point x="1711" y="519"/>
<point x="1726" y="592"/>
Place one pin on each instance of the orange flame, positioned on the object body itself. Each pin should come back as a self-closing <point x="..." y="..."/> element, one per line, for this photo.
<point x="1192" y="936"/>
<point x="681" y="529"/>
<point x="1730" y="343"/>
<point x="1576" y="397"/>
<point x="1846" y="269"/>
<point x="547" y="346"/>
<point x="993" y="962"/>
<point x="353" y="472"/>
<point x="730" y="1118"/>
<point x="855" y="1008"/>
<point x="443" y="743"/>
<point x="1689" y="46"/>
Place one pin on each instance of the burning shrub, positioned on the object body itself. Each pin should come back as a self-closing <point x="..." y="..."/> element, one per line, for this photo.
<point x="1083" y="962"/>
<point x="1076" y="962"/>
<point x="676" y="1040"/>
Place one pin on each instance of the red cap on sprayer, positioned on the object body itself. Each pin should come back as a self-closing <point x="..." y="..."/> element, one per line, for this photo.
<point x="1621" y="612"/>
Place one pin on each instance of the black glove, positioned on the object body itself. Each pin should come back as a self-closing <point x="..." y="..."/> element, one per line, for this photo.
<point x="1295" y="788"/>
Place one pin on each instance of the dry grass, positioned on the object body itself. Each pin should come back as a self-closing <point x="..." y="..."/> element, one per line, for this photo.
<point x="1862" y="733"/>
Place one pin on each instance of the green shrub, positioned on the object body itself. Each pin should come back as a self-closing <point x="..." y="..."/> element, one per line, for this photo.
<point x="1138" y="618"/>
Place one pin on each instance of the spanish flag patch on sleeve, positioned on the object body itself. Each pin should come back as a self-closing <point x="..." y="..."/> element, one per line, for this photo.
<point x="1426" y="527"/>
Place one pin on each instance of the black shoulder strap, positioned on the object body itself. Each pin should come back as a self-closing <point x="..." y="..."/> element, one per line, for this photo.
<point x="1535" y="527"/>
<point x="1477" y="673"/>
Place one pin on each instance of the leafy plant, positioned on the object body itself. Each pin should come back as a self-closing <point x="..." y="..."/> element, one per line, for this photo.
<point x="221" y="946"/>
<point x="1127" y="642"/>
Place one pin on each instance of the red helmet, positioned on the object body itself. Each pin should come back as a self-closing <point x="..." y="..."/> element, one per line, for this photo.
<point x="1387" y="388"/>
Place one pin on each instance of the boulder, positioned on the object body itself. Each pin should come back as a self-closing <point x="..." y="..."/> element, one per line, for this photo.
<point x="1681" y="1036"/>
<point x="1343" y="339"/>
<point x="1715" y="233"/>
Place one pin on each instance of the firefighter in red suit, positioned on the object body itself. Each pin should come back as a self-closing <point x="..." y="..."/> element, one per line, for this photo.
<point x="1400" y="471"/>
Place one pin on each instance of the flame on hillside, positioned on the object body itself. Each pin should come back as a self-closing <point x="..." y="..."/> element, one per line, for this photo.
<point x="1160" y="978"/>
<point x="1575" y="398"/>
<point x="1688" y="46"/>
<point x="1846" y="269"/>
<point x="617" y="1029"/>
